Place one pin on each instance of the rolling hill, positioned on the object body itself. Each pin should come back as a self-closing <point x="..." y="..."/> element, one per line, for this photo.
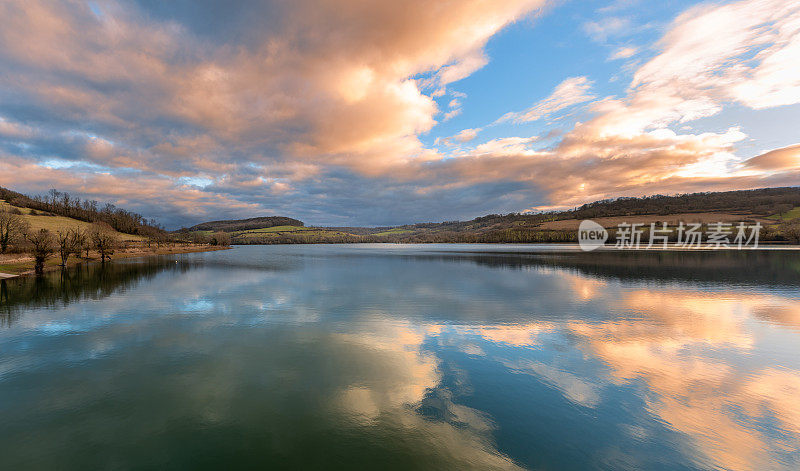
<point x="773" y="208"/>
<point x="57" y="203"/>
<point x="777" y="209"/>
<point x="42" y="220"/>
<point x="234" y="225"/>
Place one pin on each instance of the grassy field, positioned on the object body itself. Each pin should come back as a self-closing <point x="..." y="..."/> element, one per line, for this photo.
<point x="394" y="231"/>
<point x="132" y="245"/>
<point x="274" y="233"/>
<point x="788" y="216"/>
<point x="276" y="229"/>
<point x="55" y="223"/>
<point x="286" y="234"/>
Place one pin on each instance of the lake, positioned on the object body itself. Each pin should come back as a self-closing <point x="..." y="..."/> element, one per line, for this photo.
<point x="405" y="357"/>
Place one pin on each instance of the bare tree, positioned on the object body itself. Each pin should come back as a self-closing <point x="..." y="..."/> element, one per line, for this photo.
<point x="81" y="242"/>
<point x="42" y="247"/>
<point x="161" y="238"/>
<point x="782" y="209"/>
<point x="104" y="240"/>
<point x="67" y="242"/>
<point x="12" y="228"/>
<point x="221" y="238"/>
<point x="199" y="237"/>
<point x="154" y="236"/>
<point x="791" y="230"/>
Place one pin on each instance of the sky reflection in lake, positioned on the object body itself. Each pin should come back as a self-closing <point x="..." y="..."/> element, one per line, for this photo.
<point x="406" y="356"/>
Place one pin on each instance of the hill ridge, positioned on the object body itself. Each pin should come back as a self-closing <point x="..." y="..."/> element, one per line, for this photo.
<point x="232" y="225"/>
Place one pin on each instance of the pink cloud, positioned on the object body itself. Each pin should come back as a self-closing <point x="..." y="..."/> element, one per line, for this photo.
<point x="786" y="158"/>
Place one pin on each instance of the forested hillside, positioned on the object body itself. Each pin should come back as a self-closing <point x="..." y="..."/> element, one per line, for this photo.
<point x="246" y="224"/>
<point x="762" y="201"/>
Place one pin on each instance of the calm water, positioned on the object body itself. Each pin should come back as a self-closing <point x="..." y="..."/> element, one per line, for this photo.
<point x="398" y="357"/>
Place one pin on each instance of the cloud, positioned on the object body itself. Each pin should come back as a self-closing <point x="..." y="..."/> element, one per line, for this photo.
<point x="463" y="136"/>
<point x="601" y="30"/>
<point x="622" y="53"/>
<point x="506" y="146"/>
<point x="451" y="114"/>
<point x="151" y="87"/>
<point x="571" y="91"/>
<point x="779" y="159"/>
<point x="710" y="56"/>
<point x="466" y="135"/>
<point x="316" y="109"/>
<point x="317" y="85"/>
<point x="744" y="52"/>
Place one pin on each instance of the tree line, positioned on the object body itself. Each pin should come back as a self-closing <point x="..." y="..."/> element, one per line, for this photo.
<point x="765" y="201"/>
<point x="43" y="243"/>
<point x="61" y="203"/>
<point x="235" y="225"/>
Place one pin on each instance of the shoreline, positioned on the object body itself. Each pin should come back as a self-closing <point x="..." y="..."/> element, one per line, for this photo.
<point x="25" y="268"/>
<point x="771" y="245"/>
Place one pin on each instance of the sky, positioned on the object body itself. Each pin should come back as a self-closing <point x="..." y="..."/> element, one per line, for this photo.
<point x="364" y="112"/>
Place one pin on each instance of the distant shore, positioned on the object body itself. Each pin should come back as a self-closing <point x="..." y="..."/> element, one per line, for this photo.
<point x="16" y="265"/>
<point x="770" y="244"/>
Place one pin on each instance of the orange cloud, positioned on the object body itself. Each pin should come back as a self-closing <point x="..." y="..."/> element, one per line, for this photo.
<point x="785" y="158"/>
<point x="571" y="91"/>
<point x="309" y="86"/>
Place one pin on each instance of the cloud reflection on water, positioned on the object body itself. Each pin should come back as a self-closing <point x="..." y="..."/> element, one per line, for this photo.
<point x="410" y="353"/>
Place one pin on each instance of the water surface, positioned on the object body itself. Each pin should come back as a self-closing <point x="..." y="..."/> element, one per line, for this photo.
<point x="405" y="356"/>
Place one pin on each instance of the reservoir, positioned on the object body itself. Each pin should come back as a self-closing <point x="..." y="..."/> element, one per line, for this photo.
<point x="395" y="356"/>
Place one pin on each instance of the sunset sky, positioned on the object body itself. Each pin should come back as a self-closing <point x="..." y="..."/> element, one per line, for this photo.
<point x="365" y="112"/>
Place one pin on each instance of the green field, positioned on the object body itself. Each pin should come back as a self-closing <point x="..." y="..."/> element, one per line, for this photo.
<point x="309" y="232"/>
<point x="394" y="231"/>
<point x="794" y="213"/>
<point x="287" y="234"/>
<point x="293" y="233"/>
<point x="275" y="229"/>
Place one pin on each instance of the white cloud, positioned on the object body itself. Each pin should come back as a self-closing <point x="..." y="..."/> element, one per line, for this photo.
<point x="451" y="114"/>
<point x="506" y="146"/>
<point x="601" y="30"/>
<point x="571" y="91"/>
<point x="623" y="53"/>
<point x="746" y="51"/>
<point x="467" y="135"/>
